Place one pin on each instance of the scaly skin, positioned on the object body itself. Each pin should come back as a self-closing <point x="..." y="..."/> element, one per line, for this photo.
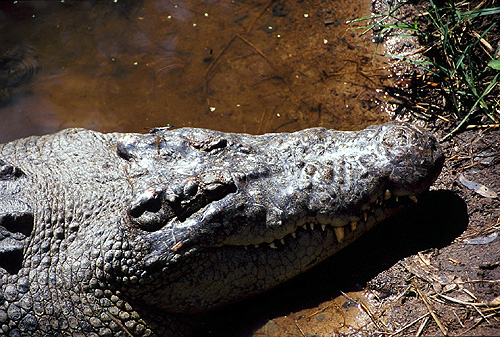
<point x="129" y="234"/>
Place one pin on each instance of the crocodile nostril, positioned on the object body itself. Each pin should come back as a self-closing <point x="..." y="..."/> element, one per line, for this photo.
<point x="8" y="171"/>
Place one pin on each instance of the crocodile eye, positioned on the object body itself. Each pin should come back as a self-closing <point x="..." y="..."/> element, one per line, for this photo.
<point x="150" y="210"/>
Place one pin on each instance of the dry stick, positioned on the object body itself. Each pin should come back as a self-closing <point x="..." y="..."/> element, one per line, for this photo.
<point x="339" y="73"/>
<point x="259" y="15"/>
<point x="394" y="301"/>
<point x="409" y="325"/>
<point x="443" y="118"/>
<point x="458" y="319"/>
<point x="319" y="311"/>
<point x="374" y="318"/>
<point x="357" y="71"/>
<point x="261" y="120"/>
<point x="452" y="299"/>
<point x="475" y="305"/>
<point x="427" y="304"/>
<point x="472" y="327"/>
<point x="492" y="309"/>
<point x="485" y="126"/>
<point x="119" y="323"/>
<point x="422" y="326"/>
<point x="481" y="314"/>
<point x="216" y="60"/>
<point x="468" y="292"/>
<point x="267" y="60"/>
<point x="298" y="327"/>
<point x="223" y="51"/>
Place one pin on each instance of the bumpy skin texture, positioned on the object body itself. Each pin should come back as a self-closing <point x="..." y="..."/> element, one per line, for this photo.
<point x="129" y="234"/>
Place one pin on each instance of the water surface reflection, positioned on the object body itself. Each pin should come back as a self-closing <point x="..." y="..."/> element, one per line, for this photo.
<point x="242" y="66"/>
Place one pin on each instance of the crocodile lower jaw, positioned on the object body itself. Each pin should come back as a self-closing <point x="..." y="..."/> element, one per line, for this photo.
<point x="323" y="224"/>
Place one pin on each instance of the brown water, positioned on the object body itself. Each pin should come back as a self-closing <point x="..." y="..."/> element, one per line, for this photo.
<point x="342" y="316"/>
<point x="241" y="66"/>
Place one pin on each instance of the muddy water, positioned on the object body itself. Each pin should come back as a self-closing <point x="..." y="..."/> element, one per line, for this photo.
<point x="242" y="66"/>
<point x="342" y="316"/>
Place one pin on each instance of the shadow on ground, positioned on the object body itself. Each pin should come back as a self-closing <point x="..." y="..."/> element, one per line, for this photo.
<point x="438" y="218"/>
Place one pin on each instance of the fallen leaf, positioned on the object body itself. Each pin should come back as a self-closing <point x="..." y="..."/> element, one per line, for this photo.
<point x="482" y="240"/>
<point x="477" y="187"/>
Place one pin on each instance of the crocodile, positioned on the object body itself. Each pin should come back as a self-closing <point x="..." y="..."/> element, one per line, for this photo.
<point x="138" y="234"/>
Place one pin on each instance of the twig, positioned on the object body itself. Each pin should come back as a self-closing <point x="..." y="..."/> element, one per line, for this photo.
<point x="267" y="60"/>
<point x="119" y="323"/>
<point x="259" y="15"/>
<point x="458" y="318"/>
<point x="467" y="291"/>
<point x="393" y="302"/>
<point x="472" y="327"/>
<point x="484" y="126"/>
<point x="429" y="308"/>
<point x="455" y="300"/>
<point x="261" y="120"/>
<point x="422" y="326"/>
<point x="402" y="294"/>
<point x="284" y="124"/>
<point x="298" y="327"/>
<point x="492" y="309"/>
<point x="223" y="51"/>
<point x="409" y="325"/>
<point x="319" y="311"/>
<point x="481" y="314"/>
<point x="374" y="318"/>
<point x="216" y="60"/>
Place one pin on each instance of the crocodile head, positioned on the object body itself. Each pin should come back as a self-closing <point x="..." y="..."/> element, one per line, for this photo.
<point x="123" y="234"/>
<point x="222" y="216"/>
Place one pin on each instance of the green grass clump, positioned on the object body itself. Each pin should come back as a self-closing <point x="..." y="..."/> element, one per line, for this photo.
<point x="460" y="55"/>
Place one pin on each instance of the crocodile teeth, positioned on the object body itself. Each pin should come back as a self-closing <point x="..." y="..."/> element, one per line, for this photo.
<point x="339" y="233"/>
<point x="397" y="198"/>
<point x="282" y="241"/>
<point x="305" y="227"/>
<point x="323" y="227"/>
<point x="272" y="245"/>
<point x="365" y="215"/>
<point x="354" y="224"/>
<point x="413" y="198"/>
<point x="387" y="195"/>
<point x="311" y="225"/>
<point x="294" y="235"/>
